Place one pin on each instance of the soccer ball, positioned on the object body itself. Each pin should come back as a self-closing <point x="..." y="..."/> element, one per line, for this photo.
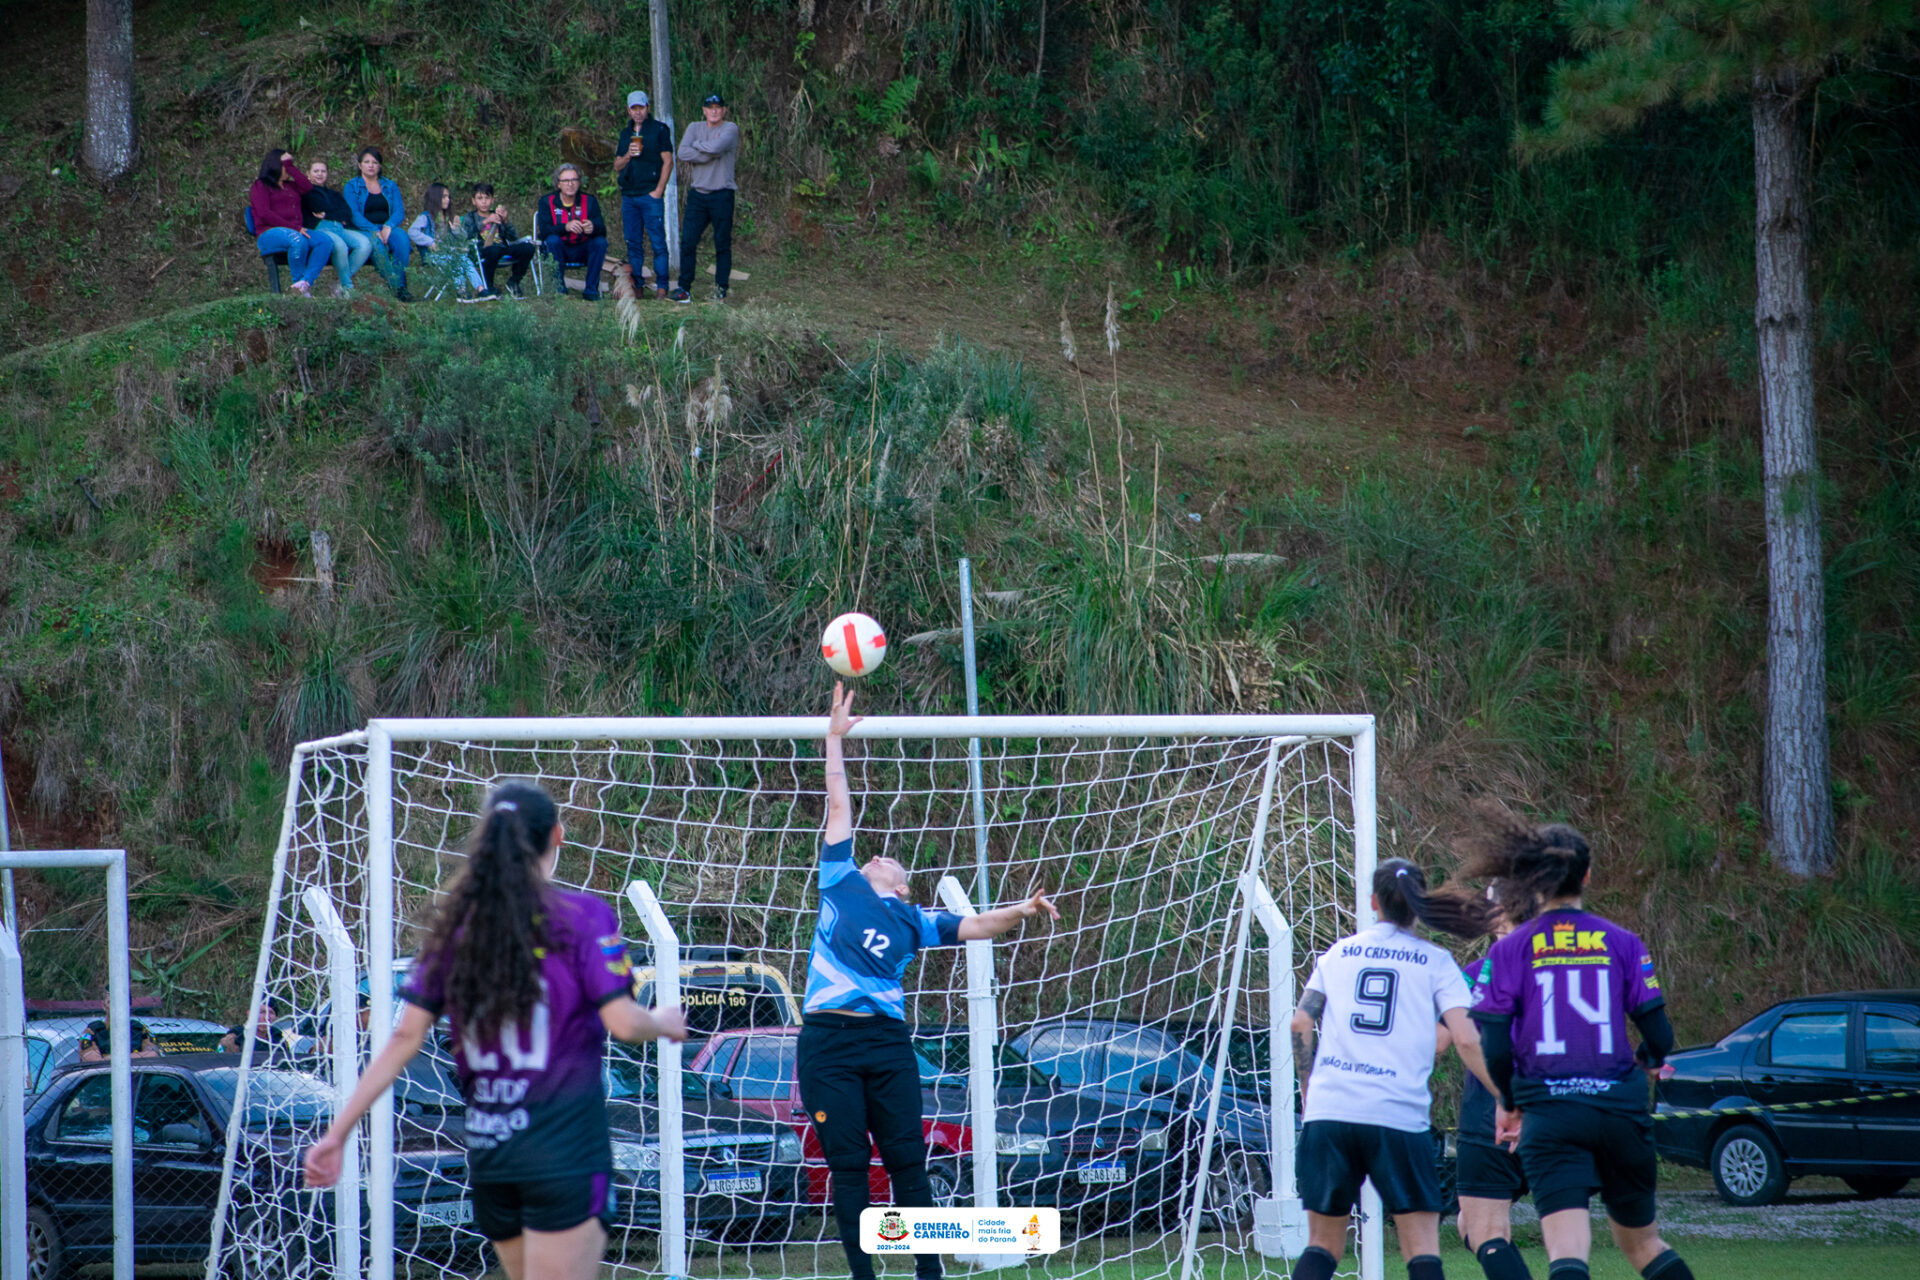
<point x="854" y="644"/>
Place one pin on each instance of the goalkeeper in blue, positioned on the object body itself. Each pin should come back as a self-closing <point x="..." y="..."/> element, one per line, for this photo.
<point x="859" y="1078"/>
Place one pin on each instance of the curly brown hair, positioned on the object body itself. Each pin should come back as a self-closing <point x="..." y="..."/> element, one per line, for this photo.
<point x="1525" y="863"/>
<point x="490" y="924"/>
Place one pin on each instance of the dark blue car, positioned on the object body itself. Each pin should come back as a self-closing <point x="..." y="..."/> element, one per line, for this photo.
<point x="181" y="1106"/>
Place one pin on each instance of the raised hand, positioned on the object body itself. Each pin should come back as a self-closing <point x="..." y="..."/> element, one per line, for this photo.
<point x="841" y="720"/>
<point x="1036" y="904"/>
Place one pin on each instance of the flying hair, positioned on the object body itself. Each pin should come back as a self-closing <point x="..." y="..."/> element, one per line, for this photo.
<point x="1525" y="864"/>
<point x="489" y="926"/>
<point x="1401" y="889"/>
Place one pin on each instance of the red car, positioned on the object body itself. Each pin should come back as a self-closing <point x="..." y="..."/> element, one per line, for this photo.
<point x="760" y="1066"/>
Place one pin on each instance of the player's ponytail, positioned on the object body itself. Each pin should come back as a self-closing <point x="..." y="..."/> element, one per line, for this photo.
<point x="1526" y="864"/>
<point x="1401" y="889"/>
<point x="489" y="926"/>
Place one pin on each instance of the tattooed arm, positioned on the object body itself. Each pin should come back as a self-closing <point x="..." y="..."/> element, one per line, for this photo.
<point x="1304" y="1027"/>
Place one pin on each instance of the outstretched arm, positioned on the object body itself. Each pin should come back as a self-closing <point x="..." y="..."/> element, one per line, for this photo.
<point x="839" y="803"/>
<point x="625" y="1020"/>
<point x="991" y="924"/>
<point x="323" y="1157"/>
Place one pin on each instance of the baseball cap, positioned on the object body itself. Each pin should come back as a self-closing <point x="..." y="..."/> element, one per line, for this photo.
<point x="713" y="100"/>
<point x="638" y="98"/>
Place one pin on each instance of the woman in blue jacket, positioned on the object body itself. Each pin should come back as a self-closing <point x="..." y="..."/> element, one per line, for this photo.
<point x="379" y="211"/>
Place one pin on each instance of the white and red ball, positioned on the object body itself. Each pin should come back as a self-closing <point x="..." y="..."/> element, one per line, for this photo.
<point x="854" y="644"/>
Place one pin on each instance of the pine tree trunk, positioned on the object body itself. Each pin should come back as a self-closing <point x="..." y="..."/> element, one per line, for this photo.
<point x="1799" y="798"/>
<point x="108" y="151"/>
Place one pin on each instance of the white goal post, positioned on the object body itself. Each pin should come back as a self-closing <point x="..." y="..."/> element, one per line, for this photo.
<point x="1167" y="839"/>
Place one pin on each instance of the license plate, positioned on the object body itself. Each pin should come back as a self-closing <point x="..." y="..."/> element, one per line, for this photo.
<point x="732" y="1183"/>
<point x="450" y="1212"/>
<point x="1093" y="1175"/>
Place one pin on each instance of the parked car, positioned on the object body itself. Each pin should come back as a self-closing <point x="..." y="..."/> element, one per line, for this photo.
<point x="53" y="1044"/>
<point x="745" y="1173"/>
<point x="1819" y="1049"/>
<point x="181" y="1106"/>
<point x="721" y="989"/>
<point x="1096" y="1159"/>
<point x="759" y="1067"/>
<point x="1136" y="1065"/>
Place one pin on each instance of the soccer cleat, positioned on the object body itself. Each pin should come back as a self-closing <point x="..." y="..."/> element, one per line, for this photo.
<point x="719" y="295"/>
<point x="681" y="295"/>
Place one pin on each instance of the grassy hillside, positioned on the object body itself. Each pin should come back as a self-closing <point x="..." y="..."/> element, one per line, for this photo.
<point x="1499" y="423"/>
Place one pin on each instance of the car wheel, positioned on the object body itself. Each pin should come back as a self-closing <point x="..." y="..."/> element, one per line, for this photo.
<point x="1235" y="1181"/>
<point x="1747" y="1169"/>
<point x="1876" y="1186"/>
<point x="46" y="1259"/>
<point x="274" y="1244"/>
<point x="945" y="1179"/>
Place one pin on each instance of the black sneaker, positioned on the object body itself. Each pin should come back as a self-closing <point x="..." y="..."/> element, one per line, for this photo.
<point x="402" y="295"/>
<point x="681" y="295"/>
<point x="719" y="295"/>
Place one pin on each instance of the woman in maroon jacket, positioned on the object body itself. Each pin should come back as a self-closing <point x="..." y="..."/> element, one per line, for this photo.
<point x="278" y="226"/>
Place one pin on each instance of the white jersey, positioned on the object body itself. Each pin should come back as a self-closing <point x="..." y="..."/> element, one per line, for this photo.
<point x="1385" y="989"/>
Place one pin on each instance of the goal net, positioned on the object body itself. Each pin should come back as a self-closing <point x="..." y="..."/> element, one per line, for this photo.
<point x="1125" y="1065"/>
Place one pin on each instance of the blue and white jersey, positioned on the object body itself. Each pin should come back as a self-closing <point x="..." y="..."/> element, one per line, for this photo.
<point x="863" y="942"/>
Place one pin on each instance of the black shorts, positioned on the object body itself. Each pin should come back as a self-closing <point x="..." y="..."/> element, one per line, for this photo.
<point x="502" y="1210"/>
<point x="1571" y="1149"/>
<point x="1489" y="1172"/>
<point x="1335" y="1156"/>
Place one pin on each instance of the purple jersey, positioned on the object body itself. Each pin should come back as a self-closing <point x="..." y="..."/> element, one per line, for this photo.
<point x="536" y="1099"/>
<point x="1570" y="981"/>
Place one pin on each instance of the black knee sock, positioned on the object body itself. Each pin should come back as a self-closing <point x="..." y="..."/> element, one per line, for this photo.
<point x="1501" y="1261"/>
<point x="850" y="1196"/>
<point x="1668" y="1266"/>
<point x="1425" y="1267"/>
<point x="1567" y="1269"/>
<point x="1314" y="1264"/>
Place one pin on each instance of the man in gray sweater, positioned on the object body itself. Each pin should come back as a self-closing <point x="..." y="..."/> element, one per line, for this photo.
<point x="706" y="155"/>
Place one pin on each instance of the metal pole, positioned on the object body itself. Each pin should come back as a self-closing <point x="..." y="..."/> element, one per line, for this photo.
<point x="380" y="929"/>
<point x="982" y="890"/>
<point x="673" y="1160"/>
<point x="341" y="958"/>
<point x="1282" y="1074"/>
<point x="6" y="846"/>
<point x="663" y="108"/>
<point x="982" y="1032"/>
<point x="13" y="1103"/>
<point x="119" y="1018"/>
<point x="1373" y="1258"/>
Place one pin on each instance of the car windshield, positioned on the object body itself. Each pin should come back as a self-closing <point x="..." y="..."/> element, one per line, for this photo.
<point x="275" y="1099"/>
<point x="631" y="1079"/>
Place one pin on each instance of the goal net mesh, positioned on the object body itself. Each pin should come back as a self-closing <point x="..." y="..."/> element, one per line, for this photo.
<point x="1108" y="1021"/>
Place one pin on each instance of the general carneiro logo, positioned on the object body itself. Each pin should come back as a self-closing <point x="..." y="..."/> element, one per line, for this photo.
<point x="893" y="1226"/>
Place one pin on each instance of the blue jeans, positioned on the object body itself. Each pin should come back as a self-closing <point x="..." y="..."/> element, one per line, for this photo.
<point x="351" y="250"/>
<point x="645" y="213"/>
<point x="589" y="255"/>
<point x="396" y="251"/>
<point x="305" y="259"/>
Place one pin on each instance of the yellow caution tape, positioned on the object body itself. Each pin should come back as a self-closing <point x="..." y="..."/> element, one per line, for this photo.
<point x="1785" y="1106"/>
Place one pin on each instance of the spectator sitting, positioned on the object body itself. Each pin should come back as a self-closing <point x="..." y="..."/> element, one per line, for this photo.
<point x="440" y="239"/>
<point x="569" y="227"/>
<point x="277" y="223"/>
<point x="379" y="211"/>
<point x="97" y="1043"/>
<point x="487" y="226"/>
<point x="326" y="214"/>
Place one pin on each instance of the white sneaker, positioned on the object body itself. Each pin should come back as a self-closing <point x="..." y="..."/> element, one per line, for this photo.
<point x="341" y="291"/>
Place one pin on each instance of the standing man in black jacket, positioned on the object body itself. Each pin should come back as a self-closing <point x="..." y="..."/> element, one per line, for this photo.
<point x="643" y="162"/>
